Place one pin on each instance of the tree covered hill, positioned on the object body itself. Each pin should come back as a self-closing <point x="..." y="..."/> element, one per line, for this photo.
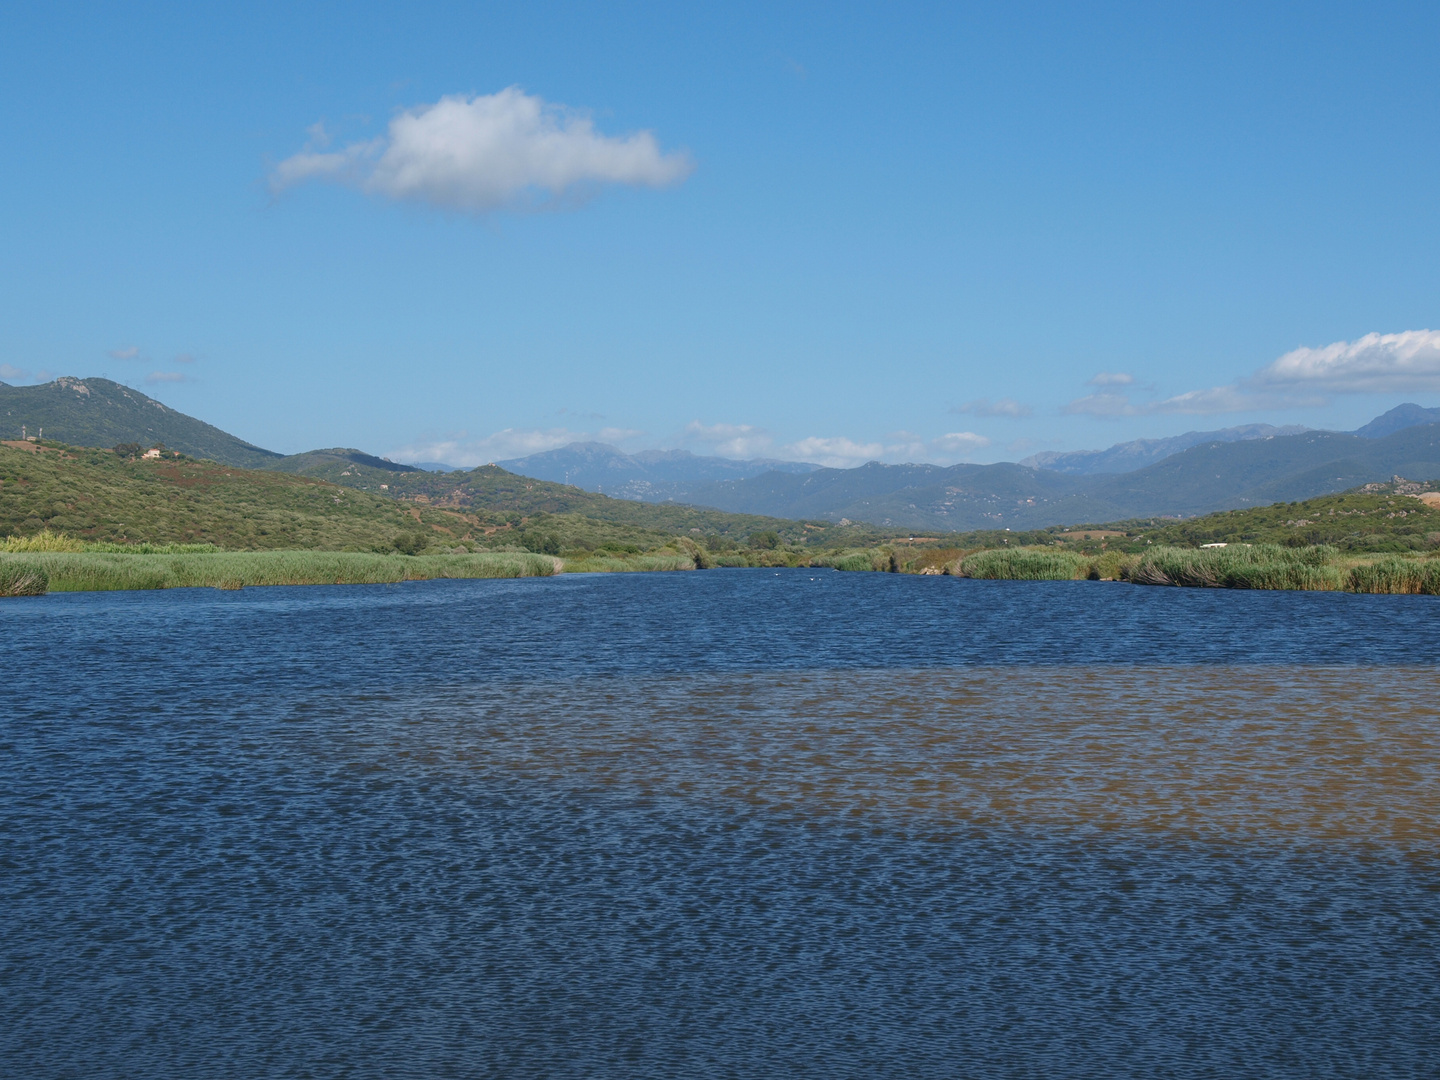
<point x="98" y="412"/>
<point x="504" y="496"/>
<point x="1374" y="517"/>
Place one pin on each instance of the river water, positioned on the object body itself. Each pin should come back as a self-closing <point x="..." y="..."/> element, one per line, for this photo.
<point x="725" y="824"/>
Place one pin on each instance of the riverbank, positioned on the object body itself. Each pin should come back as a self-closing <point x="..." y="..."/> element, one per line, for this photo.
<point x="1316" y="567"/>
<point x="31" y="574"/>
<point x="1260" y="566"/>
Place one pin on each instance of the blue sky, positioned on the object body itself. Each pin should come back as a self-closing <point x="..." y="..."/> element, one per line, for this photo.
<point x="939" y="233"/>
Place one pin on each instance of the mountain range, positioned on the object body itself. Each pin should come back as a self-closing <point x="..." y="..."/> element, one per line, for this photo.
<point x="1228" y="469"/>
<point x="651" y="475"/>
<point x="1129" y="456"/>
<point x="1214" y="476"/>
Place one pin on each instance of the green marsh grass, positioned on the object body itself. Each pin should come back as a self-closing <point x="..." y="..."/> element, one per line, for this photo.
<point x="23" y="577"/>
<point x="1395" y="575"/>
<point x="605" y="564"/>
<point x="1261" y="566"/>
<point x="103" y="571"/>
<point x="1024" y="564"/>
<point x="46" y="541"/>
<point x="853" y="560"/>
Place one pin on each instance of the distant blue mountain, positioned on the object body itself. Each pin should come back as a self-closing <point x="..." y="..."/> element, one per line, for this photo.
<point x="1137" y="454"/>
<point x="649" y="476"/>
<point x="1398" y="419"/>
<point x="1215" y="475"/>
<point x="1129" y="456"/>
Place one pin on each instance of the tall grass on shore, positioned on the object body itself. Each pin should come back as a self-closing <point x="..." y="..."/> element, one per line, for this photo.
<point x="1316" y="567"/>
<point x="23" y="578"/>
<point x="1261" y="566"/>
<point x="99" y="571"/>
<point x="609" y="564"/>
<point x="854" y="560"/>
<point x="1395" y="575"/>
<point x="1024" y="564"/>
<point x="46" y="541"/>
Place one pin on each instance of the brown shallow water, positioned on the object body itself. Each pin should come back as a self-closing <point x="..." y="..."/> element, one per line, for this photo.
<point x="1236" y="753"/>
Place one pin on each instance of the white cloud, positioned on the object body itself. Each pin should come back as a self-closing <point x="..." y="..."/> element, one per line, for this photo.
<point x="729" y="440"/>
<point x="835" y="453"/>
<point x="186" y="358"/>
<point x="9" y="371"/>
<point x="959" y="442"/>
<point x="900" y="446"/>
<point x="1111" y="378"/>
<point x="481" y="153"/>
<point x="166" y="377"/>
<point x="506" y="444"/>
<point x="130" y="352"/>
<point x="1374" y="364"/>
<point x="1008" y="407"/>
<point x="1403" y="363"/>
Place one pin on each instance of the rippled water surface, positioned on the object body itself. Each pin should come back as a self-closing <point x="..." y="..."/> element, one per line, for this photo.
<point x="735" y="823"/>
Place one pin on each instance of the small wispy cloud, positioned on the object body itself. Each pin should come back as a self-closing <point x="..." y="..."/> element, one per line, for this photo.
<point x="167" y="377"/>
<point x="475" y="154"/>
<point x="10" y="371"/>
<point x="185" y="358"/>
<point x="130" y="352"/>
<point x="1103" y="405"/>
<point x="1006" y="407"/>
<point x="1215" y="400"/>
<point x="1112" y="378"/>
<point x="959" y="443"/>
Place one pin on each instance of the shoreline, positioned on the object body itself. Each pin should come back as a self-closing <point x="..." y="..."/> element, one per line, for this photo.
<point x="1261" y="567"/>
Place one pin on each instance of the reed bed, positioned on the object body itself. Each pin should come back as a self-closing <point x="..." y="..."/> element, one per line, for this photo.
<point x="23" y="578"/>
<point x="1025" y="564"/>
<point x="101" y="571"/>
<point x="604" y="564"/>
<point x="1396" y="575"/>
<point x="853" y="560"/>
<point x="1261" y="566"/>
<point x="734" y="562"/>
<point x="1240" y="566"/>
<point x="46" y="541"/>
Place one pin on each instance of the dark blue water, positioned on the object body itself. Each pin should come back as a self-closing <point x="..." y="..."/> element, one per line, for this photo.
<point x="729" y="824"/>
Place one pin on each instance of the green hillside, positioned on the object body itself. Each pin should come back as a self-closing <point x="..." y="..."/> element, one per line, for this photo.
<point x="502" y="497"/>
<point x="318" y="462"/>
<point x="99" y="495"/>
<point x="1375" y="518"/>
